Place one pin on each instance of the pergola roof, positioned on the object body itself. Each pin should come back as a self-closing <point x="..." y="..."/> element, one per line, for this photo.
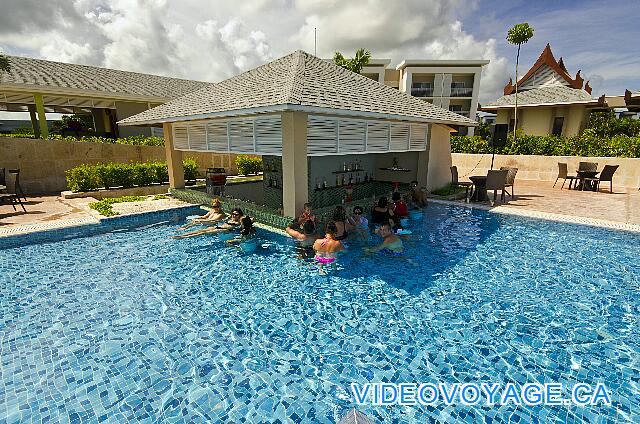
<point x="43" y="76"/>
<point x="298" y="81"/>
<point x="549" y="95"/>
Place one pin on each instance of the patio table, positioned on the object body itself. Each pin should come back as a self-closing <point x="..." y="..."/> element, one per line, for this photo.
<point x="581" y="175"/>
<point x="479" y="188"/>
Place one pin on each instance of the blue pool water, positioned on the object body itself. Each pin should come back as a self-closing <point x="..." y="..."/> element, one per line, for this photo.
<point x="130" y="326"/>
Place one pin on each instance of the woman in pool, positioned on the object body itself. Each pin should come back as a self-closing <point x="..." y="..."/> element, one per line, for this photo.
<point x="400" y="208"/>
<point x="247" y="231"/>
<point x="359" y="223"/>
<point x="212" y="217"/>
<point x="307" y="215"/>
<point x="328" y="247"/>
<point x="230" y="224"/>
<point x="340" y="221"/>
<point x="391" y="243"/>
<point x="382" y="213"/>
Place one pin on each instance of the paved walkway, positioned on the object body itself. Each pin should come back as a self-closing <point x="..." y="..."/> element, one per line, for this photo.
<point x="532" y="197"/>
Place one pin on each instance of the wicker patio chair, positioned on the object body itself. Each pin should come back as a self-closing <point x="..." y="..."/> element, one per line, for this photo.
<point x="497" y="180"/>
<point x="455" y="183"/>
<point x="511" y="178"/>
<point x="563" y="172"/>
<point x="605" y="175"/>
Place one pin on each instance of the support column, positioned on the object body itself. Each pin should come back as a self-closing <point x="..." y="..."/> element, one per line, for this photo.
<point x="44" y="130"/>
<point x="295" y="169"/>
<point x="439" y="165"/>
<point x="34" y="120"/>
<point x="174" y="159"/>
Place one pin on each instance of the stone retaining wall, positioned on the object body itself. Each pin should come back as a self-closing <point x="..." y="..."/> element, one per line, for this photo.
<point x="43" y="163"/>
<point x="545" y="168"/>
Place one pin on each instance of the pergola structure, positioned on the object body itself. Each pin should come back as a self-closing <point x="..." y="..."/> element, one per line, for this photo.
<point x="41" y="86"/>
<point x="309" y="119"/>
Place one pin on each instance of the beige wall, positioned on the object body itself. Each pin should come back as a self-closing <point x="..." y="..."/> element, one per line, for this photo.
<point x="438" y="171"/>
<point x="545" y="168"/>
<point x="539" y="120"/>
<point x="42" y="163"/>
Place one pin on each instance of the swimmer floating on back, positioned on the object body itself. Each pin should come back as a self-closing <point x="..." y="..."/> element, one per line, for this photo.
<point x="230" y="224"/>
<point x="214" y="216"/>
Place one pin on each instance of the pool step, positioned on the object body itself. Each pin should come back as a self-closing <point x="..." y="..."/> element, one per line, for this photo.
<point x="355" y="417"/>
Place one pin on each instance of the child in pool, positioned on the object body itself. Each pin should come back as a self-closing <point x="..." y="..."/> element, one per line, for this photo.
<point x="391" y="243"/>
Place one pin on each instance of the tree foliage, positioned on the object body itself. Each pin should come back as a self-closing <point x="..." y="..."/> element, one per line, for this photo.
<point x="355" y="64"/>
<point x="519" y="33"/>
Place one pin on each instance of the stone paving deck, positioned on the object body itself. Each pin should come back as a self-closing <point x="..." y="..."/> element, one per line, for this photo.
<point x="620" y="209"/>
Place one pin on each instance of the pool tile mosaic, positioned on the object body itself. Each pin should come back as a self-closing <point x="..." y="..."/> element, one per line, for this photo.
<point x="118" y="323"/>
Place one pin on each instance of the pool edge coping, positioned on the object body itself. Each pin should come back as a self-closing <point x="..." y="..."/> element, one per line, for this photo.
<point x="547" y="216"/>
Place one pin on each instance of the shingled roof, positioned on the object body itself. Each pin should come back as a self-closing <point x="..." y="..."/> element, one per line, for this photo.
<point x="298" y="81"/>
<point x="45" y="75"/>
<point x="550" y="95"/>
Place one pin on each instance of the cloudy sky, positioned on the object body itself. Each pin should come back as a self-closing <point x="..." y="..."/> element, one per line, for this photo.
<point x="212" y="40"/>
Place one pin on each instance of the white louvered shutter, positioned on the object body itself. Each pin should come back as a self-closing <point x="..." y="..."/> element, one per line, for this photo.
<point x="418" y="140"/>
<point x="241" y="137"/>
<point x="180" y="137"/>
<point x="399" y="137"/>
<point x="322" y="136"/>
<point x="268" y="133"/>
<point x="217" y="138"/>
<point x="351" y="136"/>
<point x="377" y="136"/>
<point x="197" y="136"/>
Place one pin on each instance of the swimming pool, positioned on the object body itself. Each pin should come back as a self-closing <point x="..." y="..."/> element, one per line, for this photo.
<point x="128" y="325"/>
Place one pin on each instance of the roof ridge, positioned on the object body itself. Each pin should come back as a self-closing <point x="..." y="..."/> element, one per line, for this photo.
<point x="293" y="91"/>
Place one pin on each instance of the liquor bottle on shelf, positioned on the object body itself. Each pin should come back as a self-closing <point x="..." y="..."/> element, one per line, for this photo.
<point x="324" y="183"/>
<point x="366" y="177"/>
<point x="318" y="185"/>
<point x="337" y="181"/>
<point x="344" y="166"/>
<point x="350" y="179"/>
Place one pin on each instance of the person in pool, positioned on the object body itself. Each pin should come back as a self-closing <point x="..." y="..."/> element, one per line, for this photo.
<point x="212" y="217"/>
<point x="340" y="221"/>
<point x="231" y="224"/>
<point x="418" y="196"/>
<point x="327" y="247"/>
<point x="308" y="233"/>
<point x="358" y="223"/>
<point x="390" y="242"/>
<point x="247" y="231"/>
<point x="400" y="208"/>
<point x="307" y="215"/>
<point x="382" y="213"/>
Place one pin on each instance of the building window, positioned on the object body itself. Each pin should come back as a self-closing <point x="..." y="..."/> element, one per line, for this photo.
<point x="459" y="89"/>
<point x="557" y="125"/>
<point x="422" y="89"/>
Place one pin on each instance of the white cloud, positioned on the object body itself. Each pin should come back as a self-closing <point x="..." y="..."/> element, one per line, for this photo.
<point x="211" y="41"/>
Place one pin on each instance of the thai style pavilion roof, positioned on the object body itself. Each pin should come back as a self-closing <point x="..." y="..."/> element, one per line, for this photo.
<point x="298" y="81"/>
<point x="37" y="75"/>
<point x="548" y="95"/>
<point x="547" y="71"/>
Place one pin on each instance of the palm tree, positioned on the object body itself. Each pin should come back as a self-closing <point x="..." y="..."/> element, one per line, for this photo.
<point x="359" y="61"/>
<point x="518" y="34"/>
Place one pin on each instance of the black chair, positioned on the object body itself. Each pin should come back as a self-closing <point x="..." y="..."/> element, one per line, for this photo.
<point x="16" y="179"/>
<point x="455" y="183"/>
<point x="605" y="175"/>
<point x="11" y="198"/>
<point x="3" y="178"/>
<point x="563" y="172"/>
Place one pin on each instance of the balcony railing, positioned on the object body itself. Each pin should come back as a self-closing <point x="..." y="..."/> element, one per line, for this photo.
<point x="461" y="91"/>
<point x="422" y="91"/>
<point x="461" y="112"/>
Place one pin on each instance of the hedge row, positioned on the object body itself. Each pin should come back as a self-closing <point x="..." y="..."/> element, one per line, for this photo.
<point x="126" y="175"/>
<point x="586" y="144"/>
<point x="248" y="164"/>
<point x="136" y="140"/>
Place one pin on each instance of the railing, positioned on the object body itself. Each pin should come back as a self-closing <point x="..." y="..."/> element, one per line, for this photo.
<point x="461" y="91"/>
<point x="461" y="112"/>
<point x="422" y="91"/>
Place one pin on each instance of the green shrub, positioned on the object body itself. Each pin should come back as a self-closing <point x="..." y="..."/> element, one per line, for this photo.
<point x="248" y="164"/>
<point x="588" y="143"/>
<point x="137" y="140"/>
<point x="109" y="175"/>
<point x="190" y="169"/>
<point x="105" y="206"/>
